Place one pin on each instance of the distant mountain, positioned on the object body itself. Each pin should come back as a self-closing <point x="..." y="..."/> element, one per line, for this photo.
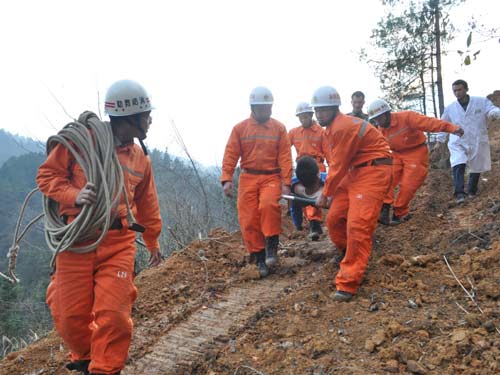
<point x="14" y="145"/>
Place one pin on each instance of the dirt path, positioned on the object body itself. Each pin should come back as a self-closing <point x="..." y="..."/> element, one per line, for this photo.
<point x="208" y="328"/>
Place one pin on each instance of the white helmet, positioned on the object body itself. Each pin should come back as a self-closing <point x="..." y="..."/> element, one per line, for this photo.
<point x="303" y="107"/>
<point x="325" y="96"/>
<point x="125" y="98"/>
<point x="377" y="107"/>
<point x="261" y="95"/>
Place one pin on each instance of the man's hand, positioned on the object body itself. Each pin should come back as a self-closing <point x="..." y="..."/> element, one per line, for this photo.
<point x="87" y="195"/>
<point x="155" y="258"/>
<point x="322" y="201"/>
<point x="228" y="188"/>
<point x="285" y="190"/>
<point x="458" y="132"/>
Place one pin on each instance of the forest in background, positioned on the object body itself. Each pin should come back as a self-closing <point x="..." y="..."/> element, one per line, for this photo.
<point x="191" y="202"/>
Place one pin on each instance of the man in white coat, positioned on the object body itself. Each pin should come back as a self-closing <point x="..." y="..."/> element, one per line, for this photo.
<point x="473" y="148"/>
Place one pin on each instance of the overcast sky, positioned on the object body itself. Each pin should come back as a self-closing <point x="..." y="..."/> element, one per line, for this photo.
<point x="199" y="60"/>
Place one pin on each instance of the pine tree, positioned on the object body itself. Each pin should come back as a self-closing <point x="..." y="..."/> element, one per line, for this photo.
<point x="410" y="39"/>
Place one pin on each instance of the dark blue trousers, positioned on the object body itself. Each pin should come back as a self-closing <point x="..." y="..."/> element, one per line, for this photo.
<point x="459" y="180"/>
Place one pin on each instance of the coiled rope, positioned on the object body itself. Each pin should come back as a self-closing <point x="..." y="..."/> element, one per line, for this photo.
<point x="92" y="144"/>
<point x="14" y="249"/>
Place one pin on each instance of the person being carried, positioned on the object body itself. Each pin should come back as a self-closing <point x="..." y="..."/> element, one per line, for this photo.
<point x="261" y="144"/>
<point x="308" y="182"/>
<point x="405" y="133"/>
<point x="308" y="138"/>
<point x="90" y="294"/>
<point x="358" y="179"/>
<point x="473" y="149"/>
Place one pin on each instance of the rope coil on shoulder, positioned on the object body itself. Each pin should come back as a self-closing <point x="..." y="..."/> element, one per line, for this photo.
<point x="92" y="144"/>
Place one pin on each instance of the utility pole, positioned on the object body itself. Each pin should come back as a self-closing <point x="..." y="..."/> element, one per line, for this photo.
<point x="439" y="76"/>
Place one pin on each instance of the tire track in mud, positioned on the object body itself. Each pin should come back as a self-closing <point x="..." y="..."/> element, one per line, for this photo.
<point x="186" y="343"/>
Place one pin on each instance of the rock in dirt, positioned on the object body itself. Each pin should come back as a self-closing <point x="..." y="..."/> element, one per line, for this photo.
<point x="412" y="304"/>
<point x="392" y="260"/>
<point x="369" y="346"/>
<point x="473" y="320"/>
<point x="489" y="326"/>
<point x="489" y="289"/>
<point x="387" y="354"/>
<point x="249" y="272"/>
<point x="423" y="334"/>
<point x="396" y="329"/>
<point x="376" y="340"/>
<point x="379" y="337"/>
<point x="416" y="368"/>
<point x="423" y="260"/>
<point x="392" y="366"/>
<point x="20" y="359"/>
<point x="11" y="356"/>
<point x="459" y="335"/>
<point x="320" y="254"/>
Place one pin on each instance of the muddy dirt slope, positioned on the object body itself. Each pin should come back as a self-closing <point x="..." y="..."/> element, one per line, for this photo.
<point x="430" y="302"/>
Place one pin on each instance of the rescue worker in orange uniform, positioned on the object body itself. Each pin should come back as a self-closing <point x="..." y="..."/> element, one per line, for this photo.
<point x="308" y="138"/>
<point x="308" y="141"/>
<point x="358" y="179"/>
<point x="261" y="144"/>
<point x="405" y="134"/>
<point x="91" y="294"/>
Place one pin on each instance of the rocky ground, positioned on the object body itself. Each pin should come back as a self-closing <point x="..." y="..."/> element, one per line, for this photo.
<point x="429" y="303"/>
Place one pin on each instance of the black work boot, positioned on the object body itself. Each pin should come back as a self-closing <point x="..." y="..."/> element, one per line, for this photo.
<point x="82" y="366"/>
<point x="341" y="296"/>
<point x="396" y="220"/>
<point x="460" y="198"/>
<point x="315" y="230"/>
<point x="272" y="250"/>
<point x="260" y="261"/>
<point x="385" y="217"/>
<point x="339" y="258"/>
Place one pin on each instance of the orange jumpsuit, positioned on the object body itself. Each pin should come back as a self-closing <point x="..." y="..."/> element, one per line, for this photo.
<point x="358" y="180"/>
<point x="266" y="164"/>
<point x="91" y="295"/>
<point x="411" y="157"/>
<point x="309" y="141"/>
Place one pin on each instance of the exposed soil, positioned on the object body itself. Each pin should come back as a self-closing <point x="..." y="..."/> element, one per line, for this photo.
<point x="204" y="310"/>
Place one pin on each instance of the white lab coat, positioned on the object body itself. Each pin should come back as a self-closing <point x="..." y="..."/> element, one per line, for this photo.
<point x="473" y="148"/>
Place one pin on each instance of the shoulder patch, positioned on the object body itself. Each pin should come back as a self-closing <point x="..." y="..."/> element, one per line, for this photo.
<point x="362" y="129"/>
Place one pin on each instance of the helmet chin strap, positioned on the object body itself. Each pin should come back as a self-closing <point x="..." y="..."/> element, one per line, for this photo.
<point x="387" y="118"/>
<point x="144" y="149"/>
<point x="136" y="123"/>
